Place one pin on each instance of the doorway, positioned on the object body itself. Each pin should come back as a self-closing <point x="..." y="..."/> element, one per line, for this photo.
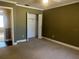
<point x="34" y="26"/>
<point x="6" y="32"/>
<point x="31" y="25"/>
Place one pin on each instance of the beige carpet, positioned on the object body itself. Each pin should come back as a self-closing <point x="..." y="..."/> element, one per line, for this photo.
<point x="38" y="49"/>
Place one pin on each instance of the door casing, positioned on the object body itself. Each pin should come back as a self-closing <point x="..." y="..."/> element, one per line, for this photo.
<point x="12" y="22"/>
<point x="39" y="25"/>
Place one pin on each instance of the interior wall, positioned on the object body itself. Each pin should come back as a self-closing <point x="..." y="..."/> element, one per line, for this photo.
<point x="62" y="24"/>
<point x="20" y="19"/>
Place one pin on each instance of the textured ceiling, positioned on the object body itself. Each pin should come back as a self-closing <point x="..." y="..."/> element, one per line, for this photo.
<point x="51" y="4"/>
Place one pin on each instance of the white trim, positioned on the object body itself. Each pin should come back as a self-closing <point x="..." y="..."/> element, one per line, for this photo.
<point x="8" y="1"/>
<point x="61" y="43"/>
<point x="12" y="21"/>
<point x="63" y="5"/>
<point x="29" y="7"/>
<point x="39" y="8"/>
<point x="19" y="41"/>
<point x="40" y="19"/>
<point x="21" y="5"/>
<point x="4" y="7"/>
<point x="12" y="26"/>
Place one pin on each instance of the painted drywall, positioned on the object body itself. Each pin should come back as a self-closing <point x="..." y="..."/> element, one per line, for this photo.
<point x="62" y="24"/>
<point x="20" y="19"/>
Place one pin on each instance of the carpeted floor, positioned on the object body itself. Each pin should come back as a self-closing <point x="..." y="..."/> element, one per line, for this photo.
<point x="38" y="49"/>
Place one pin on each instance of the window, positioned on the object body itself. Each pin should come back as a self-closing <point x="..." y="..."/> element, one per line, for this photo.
<point x="1" y="21"/>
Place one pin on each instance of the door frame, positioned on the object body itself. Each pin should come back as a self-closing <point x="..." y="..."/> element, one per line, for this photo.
<point x="39" y="21"/>
<point x="12" y="22"/>
<point x="35" y="23"/>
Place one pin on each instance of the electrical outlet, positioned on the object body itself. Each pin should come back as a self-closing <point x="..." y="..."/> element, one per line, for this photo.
<point x="53" y="36"/>
<point x="23" y="36"/>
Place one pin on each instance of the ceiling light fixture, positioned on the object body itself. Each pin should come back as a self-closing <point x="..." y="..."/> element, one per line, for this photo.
<point x="57" y="0"/>
<point x="45" y="1"/>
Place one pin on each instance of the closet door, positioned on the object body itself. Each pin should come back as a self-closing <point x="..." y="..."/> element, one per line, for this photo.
<point x="31" y="25"/>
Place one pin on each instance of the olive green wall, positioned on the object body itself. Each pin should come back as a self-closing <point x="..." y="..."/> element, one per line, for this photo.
<point x="20" y="19"/>
<point x="62" y="24"/>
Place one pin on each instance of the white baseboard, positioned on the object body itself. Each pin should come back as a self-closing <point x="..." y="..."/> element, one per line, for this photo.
<point x="19" y="41"/>
<point x="61" y="43"/>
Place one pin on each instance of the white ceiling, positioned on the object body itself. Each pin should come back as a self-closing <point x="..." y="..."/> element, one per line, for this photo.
<point x="51" y="4"/>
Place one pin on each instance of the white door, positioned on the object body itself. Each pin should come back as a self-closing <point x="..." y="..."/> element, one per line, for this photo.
<point x="31" y="25"/>
<point x="40" y="26"/>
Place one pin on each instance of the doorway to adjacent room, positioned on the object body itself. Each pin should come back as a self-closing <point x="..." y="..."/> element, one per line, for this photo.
<point x="6" y="26"/>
